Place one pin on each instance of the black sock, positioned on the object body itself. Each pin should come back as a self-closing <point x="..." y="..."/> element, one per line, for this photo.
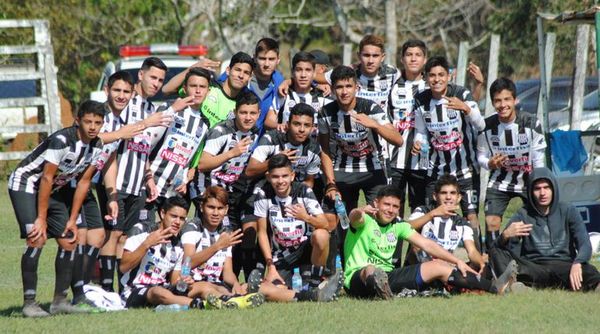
<point x="119" y="275"/>
<point x="107" y="271"/>
<point x="470" y="282"/>
<point x="77" y="277"/>
<point x="305" y="295"/>
<point x="197" y="303"/>
<point x="63" y="267"/>
<point x="490" y="238"/>
<point x="29" y="266"/>
<point x="89" y="262"/>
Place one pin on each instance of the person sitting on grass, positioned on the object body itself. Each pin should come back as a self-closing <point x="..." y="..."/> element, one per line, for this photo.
<point x="209" y="248"/>
<point x="149" y="258"/>
<point x="548" y="240"/>
<point x="444" y="225"/>
<point x="292" y="233"/>
<point x="371" y="242"/>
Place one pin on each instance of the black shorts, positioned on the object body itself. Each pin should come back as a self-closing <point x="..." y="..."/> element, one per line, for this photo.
<point x="496" y="201"/>
<point x="90" y="216"/>
<point x="59" y="211"/>
<point x="349" y="185"/>
<point x="416" y="180"/>
<point x="298" y="259"/>
<point x="398" y="279"/>
<point x="319" y="190"/>
<point x="469" y="202"/>
<point x="241" y="207"/>
<point x="130" y="212"/>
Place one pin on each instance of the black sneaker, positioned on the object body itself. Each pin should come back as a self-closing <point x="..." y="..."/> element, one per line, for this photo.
<point x="382" y="286"/>
<point x="508" y="277"/>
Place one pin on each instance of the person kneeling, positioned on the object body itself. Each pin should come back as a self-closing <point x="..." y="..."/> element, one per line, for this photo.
<point x="291" y="214"/>
<point x="209" y="249"/>
<point x="371" y="242"/>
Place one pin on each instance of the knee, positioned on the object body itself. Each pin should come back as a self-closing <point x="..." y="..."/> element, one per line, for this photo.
<point x="320" y="238"/>
<point x="66" y="245"/>
<point x="39" y="243"/>
<point x="157" y="295"/>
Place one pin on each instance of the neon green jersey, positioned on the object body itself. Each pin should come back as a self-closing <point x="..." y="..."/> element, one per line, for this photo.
<point x="373" y="244"/>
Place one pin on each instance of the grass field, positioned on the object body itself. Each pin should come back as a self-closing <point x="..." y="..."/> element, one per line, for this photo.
<point x="538" y="311"/>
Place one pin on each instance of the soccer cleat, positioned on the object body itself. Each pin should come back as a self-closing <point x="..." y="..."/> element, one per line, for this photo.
<point x="330" y="288"/>
<point x="519" y="287"/>
<point x="250" y="300"/>
<point x="382" y="286"/>
<point x="213" y="302"/>
<point x="254" y="280"/>
<point x="34" y="310"/>
<point x="64" y="307"/>
<point x="509" y="276"/>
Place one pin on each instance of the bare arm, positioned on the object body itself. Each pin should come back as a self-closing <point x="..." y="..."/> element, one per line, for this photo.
<point x="256" y="168"/>
<point x="130" y="259"/>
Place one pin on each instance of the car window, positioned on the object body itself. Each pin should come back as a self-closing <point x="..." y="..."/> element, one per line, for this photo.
<point x="18" y="89"/>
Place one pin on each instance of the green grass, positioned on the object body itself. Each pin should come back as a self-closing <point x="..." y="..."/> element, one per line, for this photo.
<point x="541" y="311"/>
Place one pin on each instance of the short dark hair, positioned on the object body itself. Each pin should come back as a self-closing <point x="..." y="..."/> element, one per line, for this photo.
<point x="446" y="180"/>
<point x="414" y="43"/>
<point x="302" y="109"/>
<point x="246" y="98"/>
<point x="153" y="62"/>
<point x="175" y="201"/>
<point x="90" y="107"/>
<point x="266" y="44"/>
<point x="387" y="191"/>
<point x="342" y="72"/>
<point x="279" y="161"/>
<point x="501" y="84"/>
<point x="215" y="192"/>
<point x="243" y="58"/>
<point x="197" y="71"/>
<point x="436" y="61"/>
<point x="120" y="75"/>
<point x="303" y="56"/>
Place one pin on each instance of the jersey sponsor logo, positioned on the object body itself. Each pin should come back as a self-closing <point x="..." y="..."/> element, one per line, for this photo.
<point x="452" y="114"/>
<point x="523" y="138"/>
<point x="291" y="103"/>
<point x="442" y="126"/>
<point x="351" y="136"/>
<point x="454" y="235"/>
<point x="404" y="125"/>
<point x="391" y="237"/>
<point x="141" y="147"/>
<point x="448" y="142"/>
<point x="495" y="140"/>
<point x="360" y="150"/>
<point x="173" y="157"/>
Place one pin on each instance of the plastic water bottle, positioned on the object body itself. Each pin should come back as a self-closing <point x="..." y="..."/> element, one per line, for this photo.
<point x="182" y="286"/>
<point x="171" y="308"/>
<point x="297" y="280"/>
<point x="340" y="209"/>
<point x="424" y="158"/>
<point x="180" y="178"/>
<point x="338" y="263"/>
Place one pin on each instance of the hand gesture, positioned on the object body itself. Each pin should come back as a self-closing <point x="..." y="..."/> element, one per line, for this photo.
<point x="475" y="73"/>
<point x="416" y="148"/>
<point x="152" y="191"/>
<point x="242" y="146"/>
<point x="282" y="127"/>
<point x="131" y="130"/>
<point x="158" y="119"/>
<point x="181" y="189"/>
<point x="325" y="89"/>
<point x="38" y="231"/>
<point x="370" y="210"/>
<point x="158" y="237"/>
<point x="497" y="161"/>
<point x="227" y="239"/>
<point x="208" y="64"/>
<point x="457" y="104"/>
<point x="464" y="268"/>
<point x="517" y="229"/>
<point x="182" y="103"/>
<point x="364" y="120"/>
<point x="70" y="231"/>
<point x="297" y="211"/>
<point x="291" y="154"/>
<point x="284" y="87"/>
<point x="445" y="210"/>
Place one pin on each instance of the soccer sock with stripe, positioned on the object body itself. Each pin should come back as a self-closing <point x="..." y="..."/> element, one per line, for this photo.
<point x="77" y="277"/>
<point x="471" y="281"/>
<point x="63" y="268"/>
<point x="89" y="262"/>
<point x="490" y="238"/>
<point x="29" y="266"/>
<point x="107" y="271"/>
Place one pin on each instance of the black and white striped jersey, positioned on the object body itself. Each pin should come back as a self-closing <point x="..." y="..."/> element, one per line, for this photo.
<point x="451" y="133"/>
<point x="195" y="234"/>
<point x="156" y="265"/>
<point x="447" y="232"/>
<point x="64" y="149"/>
<point x="132" y="154"/>
<point x="287" y="233"/>
<point x="522" y="141"/>
<point x="112" y="123"/>
<point x="170" y="158"/>
<point x="357" y="148"/>
<point x="308" y="162"/>
<point x="401" y="113"/>
<point x="377" y="88"/>
<point x="222" y="138"/>
<point x="314" y="98"/>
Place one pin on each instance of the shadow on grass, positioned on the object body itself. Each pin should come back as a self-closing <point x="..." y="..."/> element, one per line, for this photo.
<point x="16" y="311"/>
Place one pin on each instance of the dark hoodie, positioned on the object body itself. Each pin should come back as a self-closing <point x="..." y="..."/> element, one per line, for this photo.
<point x="560" y="235"/>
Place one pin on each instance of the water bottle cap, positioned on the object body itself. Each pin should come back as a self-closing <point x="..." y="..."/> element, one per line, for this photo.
<point x="296" y="270"/>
